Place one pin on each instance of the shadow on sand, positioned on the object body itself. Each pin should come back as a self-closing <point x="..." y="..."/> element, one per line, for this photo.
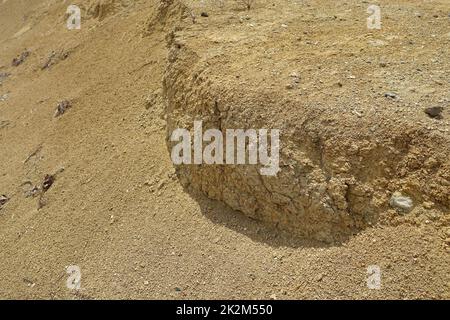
<point x="258" y="231"/>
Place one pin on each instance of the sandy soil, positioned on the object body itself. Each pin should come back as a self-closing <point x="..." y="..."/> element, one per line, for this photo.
<point x="117" y="208"/>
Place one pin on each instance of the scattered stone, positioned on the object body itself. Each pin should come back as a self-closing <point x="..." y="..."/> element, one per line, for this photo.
<point x="61" y="108"/>
<point x="49" y="61"/>
<point x="33" y="192"/>
<point x="391" y="95"/>
<point x="29" y="283"/>
<point x="434" y="112"/>
<point x="3" y="199"/>
<point x="401" y="202"/>
<point x="20" y="59"/>
<point x="48" y="181"/>
<point x="3" y="97"/>
<point x="54" y="58"/>
<point x="204" y="14"/>
<point x="29" y="190"/>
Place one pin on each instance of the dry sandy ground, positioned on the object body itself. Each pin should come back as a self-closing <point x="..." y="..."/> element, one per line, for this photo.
<point x="116" y="208"/>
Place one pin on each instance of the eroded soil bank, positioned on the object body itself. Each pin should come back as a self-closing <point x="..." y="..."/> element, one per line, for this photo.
<point x="350" y="103"/>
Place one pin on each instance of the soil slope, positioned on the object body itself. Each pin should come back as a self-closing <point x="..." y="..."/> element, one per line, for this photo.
<point x="95" y="186"/>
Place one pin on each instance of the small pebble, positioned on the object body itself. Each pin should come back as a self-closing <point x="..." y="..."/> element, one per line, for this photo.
<point x="391" y="95"/>
<point x="401" y="202"/>
<point x="61" y="108"/>
<point x="434" y="112"/>
<point x="3" y="199"/>
<point x="20" y="59"/>
<point x="48" y="182"/>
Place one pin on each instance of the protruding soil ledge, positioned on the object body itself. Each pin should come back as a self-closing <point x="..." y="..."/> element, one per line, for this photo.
<point x="346" y="146"/>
